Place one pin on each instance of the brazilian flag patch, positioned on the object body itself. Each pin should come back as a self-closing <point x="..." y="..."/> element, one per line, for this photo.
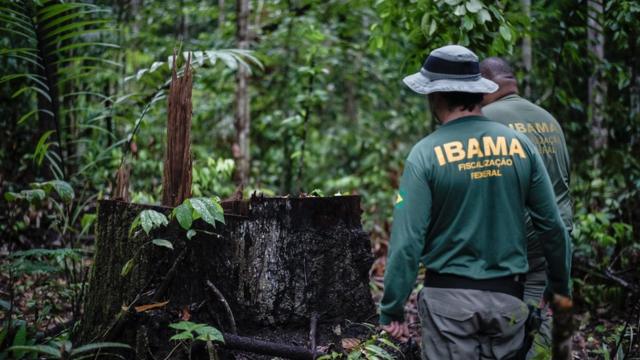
<point x="400" y="198"/>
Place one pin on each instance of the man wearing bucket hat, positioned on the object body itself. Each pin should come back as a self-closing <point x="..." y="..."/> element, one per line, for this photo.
<point x="508" y="108"/>
<point x="459" y="211"/>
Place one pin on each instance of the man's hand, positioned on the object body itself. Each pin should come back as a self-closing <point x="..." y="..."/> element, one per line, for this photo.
<point x="559" y="302"/>
<point x="398" y="330"/>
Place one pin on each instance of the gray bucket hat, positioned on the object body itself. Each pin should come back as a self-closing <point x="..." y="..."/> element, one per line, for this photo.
<point x="450" y="68"/>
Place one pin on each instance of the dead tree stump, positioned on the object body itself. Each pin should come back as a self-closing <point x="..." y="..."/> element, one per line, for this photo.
<point x="276" y="261"/>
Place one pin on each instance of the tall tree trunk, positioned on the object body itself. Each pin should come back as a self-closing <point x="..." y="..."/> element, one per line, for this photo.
<point x="526" y="51"/>
<point x="597" y="87"/>
<point x="243" y="119"/>
<point x="220" y="14"/>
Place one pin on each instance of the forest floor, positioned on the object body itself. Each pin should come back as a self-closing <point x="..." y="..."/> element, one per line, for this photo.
<point x="46" y="301"/>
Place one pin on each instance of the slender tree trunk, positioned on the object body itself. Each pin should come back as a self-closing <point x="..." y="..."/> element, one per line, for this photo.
<point x="597" y="87"/>
<point x="526" y="51"/>
<point x="243" y="119"/>
<point x="220" y="14"/>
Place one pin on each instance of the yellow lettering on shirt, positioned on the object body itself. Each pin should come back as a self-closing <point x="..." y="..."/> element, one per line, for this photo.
<point x="439" y="155"/>
<point x="516" y="148"/>
<point x="542" y="127"/>
<point x="454" y="151"/>
<point x="473" y="149"/>
<point x="520" y="127"/>
<point x="499" y="147"/>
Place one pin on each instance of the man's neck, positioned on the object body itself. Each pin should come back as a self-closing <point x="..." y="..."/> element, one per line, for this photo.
<point x="458" y="113"/>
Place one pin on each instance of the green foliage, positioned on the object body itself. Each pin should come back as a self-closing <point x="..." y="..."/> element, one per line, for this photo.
<point x="65" y="350"/>
<point x="41" y="190"/>
<point x="193" y="331"/>
<point x="41" y="261"/>
<point x="377" y="346"/>
<point x="486" y="27"/>
<point x="56" y="47"/>
<point x="151" y="219"/>
<point x="207" y="209"/>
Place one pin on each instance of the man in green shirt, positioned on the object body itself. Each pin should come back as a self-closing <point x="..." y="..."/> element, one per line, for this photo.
<point x="460" y="211"/>
<point x="506" y="107"/>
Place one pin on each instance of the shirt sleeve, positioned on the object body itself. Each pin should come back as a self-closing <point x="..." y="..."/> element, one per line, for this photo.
<point x="411" y="218"/>
<point x="552" y="233"/>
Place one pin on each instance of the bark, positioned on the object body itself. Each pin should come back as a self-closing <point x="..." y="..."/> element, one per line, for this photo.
<point x="597" y="85"/>
<point x="176" y="180"/>
<point x="526" y="51"/>
<point x="121" y="191"/>
<point x="242" y="116"/>
<point x="220" y="14"/>
<point x="276" y="262"/>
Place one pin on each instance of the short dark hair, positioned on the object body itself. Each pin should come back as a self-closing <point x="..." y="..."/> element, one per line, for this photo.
<point x="455" y="99"/>
<point x="494" y="66"/>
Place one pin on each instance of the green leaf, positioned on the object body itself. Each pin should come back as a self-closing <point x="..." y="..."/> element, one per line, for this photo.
<point x="474" y="6"/>
<point x="484" y="16"/>
<point x="20" y="339"/>
<point x="86" y="221"/>
<point x="209" y="333"/>
<point x="460" y="10"/>
<point x="62" y="188"/>
<point x="183" y="215"/>
<point x="98" y="346"/>
<point x="134" y="225"/>
<point x="467" y="23"/>
<point x="182" y="325"/>
<point x="216" y="209"/>
<point x="389" y="343"/>
<point x="505" y="32"/>
<point x="11" y="196"/>
<point x="39" y="349"/>
<point x="33" y="195"/>
<point x="128" y="266"/>
<point x="201" y="207"/>
<point x="163" y="243"/>
<point x="42" y="147"/>
<point x="151" y="219"/>
<point x="191" y="233"/>
<point x="376" y="350"/>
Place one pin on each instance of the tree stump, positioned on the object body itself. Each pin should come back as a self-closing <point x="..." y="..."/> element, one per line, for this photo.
<point x="276" y="261"/>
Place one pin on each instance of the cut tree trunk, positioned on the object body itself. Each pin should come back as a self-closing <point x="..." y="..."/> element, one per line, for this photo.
<point x="276" y="262"/>
<point x="176" y="177"/>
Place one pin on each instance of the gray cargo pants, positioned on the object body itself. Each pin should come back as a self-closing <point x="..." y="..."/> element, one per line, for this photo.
<point x="461" y="324"/>
<point x="533" y="291"/>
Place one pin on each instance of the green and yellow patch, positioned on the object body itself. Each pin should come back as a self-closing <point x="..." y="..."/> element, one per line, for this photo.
<point x="400" y="196"/>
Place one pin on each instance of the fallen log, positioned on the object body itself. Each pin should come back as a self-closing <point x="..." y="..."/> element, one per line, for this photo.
<point x="255" y="346"/>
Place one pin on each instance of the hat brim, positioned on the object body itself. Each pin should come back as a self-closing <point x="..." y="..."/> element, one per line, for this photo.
<point x="422" y="85"/>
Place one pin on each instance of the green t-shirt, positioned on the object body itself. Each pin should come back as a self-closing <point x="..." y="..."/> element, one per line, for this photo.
<point x="460" y="210"/>
<point x="545" y="132"/>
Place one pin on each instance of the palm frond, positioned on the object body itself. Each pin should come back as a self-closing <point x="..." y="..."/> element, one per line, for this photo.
<point x="55" y="43"/>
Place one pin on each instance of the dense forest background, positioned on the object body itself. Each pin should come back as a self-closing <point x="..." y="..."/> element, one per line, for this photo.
<point x="296" y="97"/>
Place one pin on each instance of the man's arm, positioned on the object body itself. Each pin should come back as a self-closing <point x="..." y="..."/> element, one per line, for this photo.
<point x="410" y="221"/>
<point x="552" y="233"/>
